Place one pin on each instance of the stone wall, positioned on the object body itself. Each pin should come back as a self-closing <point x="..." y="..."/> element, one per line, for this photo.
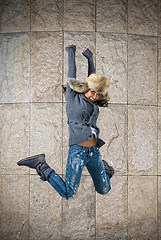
<point x="125" y="37"/>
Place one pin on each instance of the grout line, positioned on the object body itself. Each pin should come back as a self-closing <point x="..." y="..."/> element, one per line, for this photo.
<point x="62" y="112"/>
<point x="157" y="119"/>
<point x="86" y="175"/>
<point x="127" y="156"/>
<point x="127" y="207"/>
<point x="29" y="125"/>
<point x="95" y="209"/>
<point x="85" y="32"/>
<point x="127" y="226"/>
<point x="95" y="214"/>
<point x="110" y="103"/>
<point x="95" y="16"/>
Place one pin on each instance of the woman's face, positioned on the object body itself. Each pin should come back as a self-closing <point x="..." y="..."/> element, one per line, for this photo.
<point x="91" y="95"/>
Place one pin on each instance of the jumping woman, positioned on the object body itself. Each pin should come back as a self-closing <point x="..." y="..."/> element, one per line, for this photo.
<point x="82" y="106"/>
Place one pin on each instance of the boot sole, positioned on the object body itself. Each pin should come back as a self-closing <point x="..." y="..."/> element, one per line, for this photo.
<point x="39" y="156"/>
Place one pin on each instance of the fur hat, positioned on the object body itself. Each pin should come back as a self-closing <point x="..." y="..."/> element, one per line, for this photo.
<point x="95" y="82"/>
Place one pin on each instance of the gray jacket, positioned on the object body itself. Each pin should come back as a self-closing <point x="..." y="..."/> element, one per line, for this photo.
<point x="82" y="115"/>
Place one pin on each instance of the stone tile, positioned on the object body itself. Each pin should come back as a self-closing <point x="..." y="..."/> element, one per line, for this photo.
<point x="79" y="213"/>
<point x="142" y="207"/>
<point x="46" y="133"/>
<point x="113" y="130"/>
<point x="159" y="207"/>
<point x="80" y="40"/>
<point x="45" y="211"/>
<point x="111" y="61"/>
<point x="159" y="141"/>
<point x="14" y="207"/>
<point x="111" y="211"/>
<point x="46" y="16"/>
<point x="142" y="17"/>
<point x="142" y="70"/>
<point x="79" y="16"/>
<point x="15" y="16"/>
<point x="142" y="140"/>
<point x="14" y="137"/>
<point x="15" y="66"/>
<point x="46" y="66"/>
<point x="112" y="16"/>
<point x="159" y="71"/>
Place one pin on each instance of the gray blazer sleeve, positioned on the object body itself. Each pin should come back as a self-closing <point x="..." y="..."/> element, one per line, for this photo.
<point x="70" y="93"/>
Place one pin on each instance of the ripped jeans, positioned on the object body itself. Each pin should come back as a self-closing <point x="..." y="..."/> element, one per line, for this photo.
<point x="78" y="157"/>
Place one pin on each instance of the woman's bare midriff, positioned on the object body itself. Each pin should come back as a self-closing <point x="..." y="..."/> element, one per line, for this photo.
<point x="90" y="143"/>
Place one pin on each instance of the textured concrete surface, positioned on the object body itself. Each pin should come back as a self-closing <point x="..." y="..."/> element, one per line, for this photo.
<point x="14" y="206"/>
<point x="142" y="140"/>
<point x="142" y="207"/>
<point x="125" y="37"/>
<point x="112" y="47"/>
<point x="79" y="213"/>
<point x="45" y="211"/>
<point x="111" y="211"/>
<point x="15" y="67"/>
<point x="142" y="59"/>
<point x="46" y="66"/>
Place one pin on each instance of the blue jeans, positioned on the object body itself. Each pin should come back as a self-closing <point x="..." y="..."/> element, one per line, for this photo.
<point x="78" y="157"/>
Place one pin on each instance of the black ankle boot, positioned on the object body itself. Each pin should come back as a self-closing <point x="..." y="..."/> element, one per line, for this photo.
<point x="33" y="161"/>
<point x="43" y="170"/>
<point x="109" y="170"/>
<point x="39" y="164"/>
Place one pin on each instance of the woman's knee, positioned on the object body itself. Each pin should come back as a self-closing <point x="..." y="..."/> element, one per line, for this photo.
<point x="104" y="190"/>
<point x="71" y="193"/>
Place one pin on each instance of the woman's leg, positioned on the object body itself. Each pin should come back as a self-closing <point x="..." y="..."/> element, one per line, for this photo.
<point x="75" y="163"/>
<point x="89" y="55"/>
<point x="71" y="61"/>
<point x="97" y="171"/>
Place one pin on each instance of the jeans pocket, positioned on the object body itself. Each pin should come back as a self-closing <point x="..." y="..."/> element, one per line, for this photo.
<point x="77" y="153"/>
